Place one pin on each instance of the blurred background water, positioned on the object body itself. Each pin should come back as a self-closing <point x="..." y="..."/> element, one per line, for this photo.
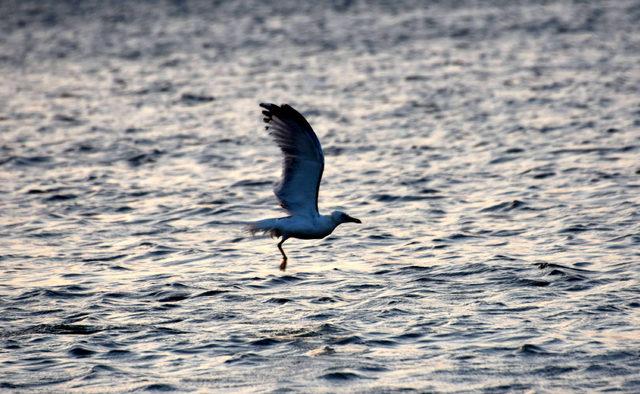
<point x="491" y="149"/>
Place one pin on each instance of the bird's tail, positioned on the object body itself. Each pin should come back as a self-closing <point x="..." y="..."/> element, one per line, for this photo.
<point x="266" y="226"/>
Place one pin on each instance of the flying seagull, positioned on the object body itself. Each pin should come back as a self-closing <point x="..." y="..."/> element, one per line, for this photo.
<point x="297" y="191"/>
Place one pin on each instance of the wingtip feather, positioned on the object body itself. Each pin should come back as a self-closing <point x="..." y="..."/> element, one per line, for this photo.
<point x="267" y="106"/>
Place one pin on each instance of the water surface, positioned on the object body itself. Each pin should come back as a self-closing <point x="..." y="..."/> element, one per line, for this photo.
<point x="491" y="152"/>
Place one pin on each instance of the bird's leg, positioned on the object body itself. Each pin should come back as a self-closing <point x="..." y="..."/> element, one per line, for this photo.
<point x="283" y="265"/>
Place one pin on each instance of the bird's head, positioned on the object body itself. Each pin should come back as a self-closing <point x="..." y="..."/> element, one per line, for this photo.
<point x="339" y="217"/>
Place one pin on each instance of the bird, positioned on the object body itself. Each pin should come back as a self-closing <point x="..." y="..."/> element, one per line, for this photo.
<point x="298" y="189"/>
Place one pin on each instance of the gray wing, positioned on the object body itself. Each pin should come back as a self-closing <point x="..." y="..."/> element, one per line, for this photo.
<point x="303" y="161"/>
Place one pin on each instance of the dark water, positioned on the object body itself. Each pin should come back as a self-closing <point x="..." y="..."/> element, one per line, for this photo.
<point x="491" y="148"/>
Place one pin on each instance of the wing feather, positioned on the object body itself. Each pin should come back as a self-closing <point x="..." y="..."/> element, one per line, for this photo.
<point x="303" y="161"/>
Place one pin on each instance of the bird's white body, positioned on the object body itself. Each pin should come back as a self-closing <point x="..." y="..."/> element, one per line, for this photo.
<point x="302" y="227"/>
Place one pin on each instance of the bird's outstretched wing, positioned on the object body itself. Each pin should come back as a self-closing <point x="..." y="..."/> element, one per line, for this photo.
<point x="303" y="161"/>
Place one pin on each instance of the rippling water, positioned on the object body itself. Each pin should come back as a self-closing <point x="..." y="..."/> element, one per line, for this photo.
<point x="491" y="149"/>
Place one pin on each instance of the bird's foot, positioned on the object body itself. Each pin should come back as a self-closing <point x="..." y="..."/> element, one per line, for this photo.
<point x="283" y="265"/>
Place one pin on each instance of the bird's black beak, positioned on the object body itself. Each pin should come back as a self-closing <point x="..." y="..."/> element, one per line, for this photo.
<point x="352" y="219"/>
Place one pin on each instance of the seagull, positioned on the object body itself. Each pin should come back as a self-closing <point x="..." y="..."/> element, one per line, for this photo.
<point x="297" y="190"/>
